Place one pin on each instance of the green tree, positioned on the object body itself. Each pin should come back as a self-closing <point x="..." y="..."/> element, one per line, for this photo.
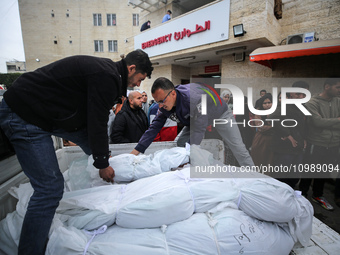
<point x="8" y="78"/>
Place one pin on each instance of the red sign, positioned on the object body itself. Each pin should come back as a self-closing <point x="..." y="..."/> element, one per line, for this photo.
<point x="177" y="35"/>
<point x="212" y="69"/>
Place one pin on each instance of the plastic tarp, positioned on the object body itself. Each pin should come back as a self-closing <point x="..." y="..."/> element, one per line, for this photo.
<point x="128" y="167"/>
<point x="173" y="197"/>
<point x="226" y="231"/>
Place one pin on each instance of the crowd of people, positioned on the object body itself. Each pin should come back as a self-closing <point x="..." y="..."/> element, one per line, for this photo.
<point x="84" y="100"/>
<point x="312" y="141"/>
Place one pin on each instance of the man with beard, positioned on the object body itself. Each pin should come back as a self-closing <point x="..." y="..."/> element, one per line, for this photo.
<point x="131" y="122"/>
<point x="69" y="98"/>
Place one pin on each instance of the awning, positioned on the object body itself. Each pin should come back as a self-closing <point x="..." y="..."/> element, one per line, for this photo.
<point x="264" y="55"/>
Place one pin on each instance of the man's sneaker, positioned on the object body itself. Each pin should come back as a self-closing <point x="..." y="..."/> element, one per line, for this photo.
<point x="323" y="202"/>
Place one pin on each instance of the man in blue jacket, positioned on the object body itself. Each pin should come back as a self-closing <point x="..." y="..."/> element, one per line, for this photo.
<point x="183" y="105"/>
<point x="167" y="16"/>
<point x="69" y="98"/>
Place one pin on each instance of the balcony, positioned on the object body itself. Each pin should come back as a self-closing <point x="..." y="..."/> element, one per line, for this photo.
<point x="155" y="5"/>
<point x="204" y="34"/>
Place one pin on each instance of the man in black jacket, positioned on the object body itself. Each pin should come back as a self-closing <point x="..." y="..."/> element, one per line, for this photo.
<point x="69" y="98"/>
<point x="145" y="26"/>
<point x="131" y="121"/>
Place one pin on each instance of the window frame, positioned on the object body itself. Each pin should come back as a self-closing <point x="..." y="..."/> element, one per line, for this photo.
<point x="110" y="17"/>
<point x="98" y="46"/>
<point x="97" y="19"/>
<point x="113" y="45"/>
<point x="135" y="19"/>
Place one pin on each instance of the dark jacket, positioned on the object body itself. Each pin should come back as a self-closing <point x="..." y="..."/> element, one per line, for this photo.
<point x="298" y="132"/>
<point x="129" y="125"/>
<point x="188" y="110"/>
<point x="145" y="26"/>
<point x="324" y="124"/>
<point x="72" y="93"/>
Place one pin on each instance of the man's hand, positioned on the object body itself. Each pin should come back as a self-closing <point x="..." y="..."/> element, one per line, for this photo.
<point x="134" y="152"/>
<point x="107" y="174"/>
<point x="292" y="140"/>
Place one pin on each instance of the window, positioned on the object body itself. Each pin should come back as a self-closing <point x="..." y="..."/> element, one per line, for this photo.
<point x="278" y="9"/>
<point x="52" y="14"/>
<point x="135" y="19"/>
<point x="67" y="15"/>
<point x="97" y="19"/>
<point x="11" y="68"/>
<point x="55" y="42"/>
<point x="111" y="19"/>
<point x="113" y="47"/>
<point x="98" y="46"/>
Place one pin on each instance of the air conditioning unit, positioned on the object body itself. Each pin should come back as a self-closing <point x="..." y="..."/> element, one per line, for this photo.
<point x="300" y="38"/>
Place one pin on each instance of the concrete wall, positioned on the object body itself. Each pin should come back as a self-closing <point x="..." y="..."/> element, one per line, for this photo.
<point x="174" y="73"/>
<point x="317" y="16"/>
<point x="299" y="16"/>
<point x="257" y="17"/>
<point x="40" y="29"/>
<point x="179" y="73"/>
<point x="164" y="71"/>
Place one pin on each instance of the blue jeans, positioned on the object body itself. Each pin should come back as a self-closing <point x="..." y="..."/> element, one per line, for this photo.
<point x="36" y="154"/>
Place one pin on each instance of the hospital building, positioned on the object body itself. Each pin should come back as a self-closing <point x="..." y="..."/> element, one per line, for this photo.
<point x="222" y="39"/>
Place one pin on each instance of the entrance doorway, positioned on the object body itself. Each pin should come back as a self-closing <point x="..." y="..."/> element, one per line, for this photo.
<point x="210" y="79"/>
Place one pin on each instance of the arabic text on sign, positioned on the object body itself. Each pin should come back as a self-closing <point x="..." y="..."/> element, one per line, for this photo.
<point x="188" y="33"/>
<point x="177" y="35"/>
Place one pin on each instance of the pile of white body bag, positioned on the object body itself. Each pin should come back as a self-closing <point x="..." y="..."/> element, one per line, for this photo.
<point x="171" y="213"/>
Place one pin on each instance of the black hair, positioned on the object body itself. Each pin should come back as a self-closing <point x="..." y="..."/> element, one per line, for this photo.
<point x="169" y="11"/>
<point x="331" y="81"/>
<point x="266" y="96"/>
<point x="300" y="84"/>
<point x="162" y="83"/>
<point x="141" y="60"/>
<point x="263" y="90"/>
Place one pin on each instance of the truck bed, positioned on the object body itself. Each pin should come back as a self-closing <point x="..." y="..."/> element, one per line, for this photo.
<point x="324" y="240"/>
